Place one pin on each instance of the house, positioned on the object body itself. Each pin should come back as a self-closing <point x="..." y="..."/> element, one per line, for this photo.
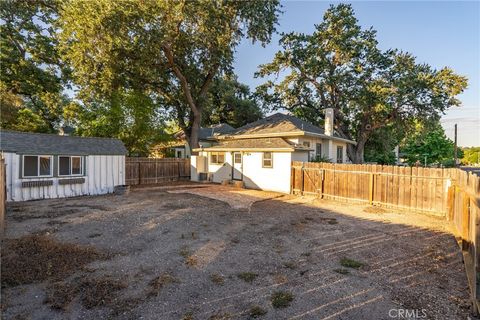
<point x="260" y="153"/>
<point x="41" y="166"/>
<point x="206" y="137"/>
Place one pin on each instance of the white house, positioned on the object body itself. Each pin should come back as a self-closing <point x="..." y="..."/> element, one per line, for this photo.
<point x="260" y="153"/>
<point x="42" y="166"/>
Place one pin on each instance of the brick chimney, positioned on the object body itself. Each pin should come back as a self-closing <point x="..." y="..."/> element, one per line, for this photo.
<point x="329" y="121"/>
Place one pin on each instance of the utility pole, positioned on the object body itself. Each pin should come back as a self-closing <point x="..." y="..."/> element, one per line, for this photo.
<point x="455" y="150"/>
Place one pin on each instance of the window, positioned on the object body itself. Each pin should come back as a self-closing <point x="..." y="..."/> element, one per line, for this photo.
<point x="217" y="157"/>
<point x="318" y="150"/>
<point x="267" y="160"/>
<point x="339" y="154"/>
<point x="70" y="166"/>
<point x="37" y="166"/>
<point x="237" y="157"/>
<point x="306" y="144"/>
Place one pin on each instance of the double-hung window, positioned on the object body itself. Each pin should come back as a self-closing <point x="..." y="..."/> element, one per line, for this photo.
<point x="318" y="150"/>
<point x="339" y="154"/>
<point x="70" y="166"/>
<point x="37" y="166"/>
<point x="267" y="160"/>
<point x="217" y="157"/>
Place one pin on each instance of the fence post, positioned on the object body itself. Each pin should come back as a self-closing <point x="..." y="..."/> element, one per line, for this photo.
<point x="303" y="180"/>
<point x="322" y="181"/>
<point x="371" y="187"/>
<point x="465" y="220"/>
<point x="450" y="202"/>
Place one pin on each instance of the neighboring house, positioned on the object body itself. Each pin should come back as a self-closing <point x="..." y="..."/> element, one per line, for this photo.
<point x="206" y="137"/>
<point x="260" y="153"/>
<point x="41" y="166"/>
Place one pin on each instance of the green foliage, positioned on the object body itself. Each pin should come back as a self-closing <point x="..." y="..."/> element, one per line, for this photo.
<point x="350" y="263"/>
<point x="130" y="116"/>
<point x="321" y="159"/>
<point x="170" y="50"/>
<point x="429" y="144"/>
<point x="340" y="66"/>
<point x="230" y="101"/>
<point x="31" y="72"/>
<point x="471" y="155"/>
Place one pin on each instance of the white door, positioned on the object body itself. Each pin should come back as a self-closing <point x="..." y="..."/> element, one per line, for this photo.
<point x="237" y="166"/>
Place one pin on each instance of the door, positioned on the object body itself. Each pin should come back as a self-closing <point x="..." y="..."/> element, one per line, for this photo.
<point x="237" y="166"/>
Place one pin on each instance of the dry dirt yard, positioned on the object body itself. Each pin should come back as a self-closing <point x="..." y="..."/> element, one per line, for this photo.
<point x="179" y="253"/>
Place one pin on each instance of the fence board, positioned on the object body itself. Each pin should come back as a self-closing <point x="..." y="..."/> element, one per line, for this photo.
<point x="153" y="170"/>
<point x="3" y="196"/>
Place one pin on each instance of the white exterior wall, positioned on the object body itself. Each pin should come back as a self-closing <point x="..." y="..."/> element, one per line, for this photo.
<point x="276" y="178"/>
<point x="255" y="176"/>
<point x="102" y="173"/>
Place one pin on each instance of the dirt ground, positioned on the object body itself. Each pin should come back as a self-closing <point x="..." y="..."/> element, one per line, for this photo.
<point x="180" y="253"/>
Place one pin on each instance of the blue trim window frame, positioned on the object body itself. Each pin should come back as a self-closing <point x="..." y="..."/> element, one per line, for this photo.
<point x="41" y="166"/>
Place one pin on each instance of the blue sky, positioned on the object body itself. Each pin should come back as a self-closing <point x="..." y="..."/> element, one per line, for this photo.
<point x="438" y="33"/>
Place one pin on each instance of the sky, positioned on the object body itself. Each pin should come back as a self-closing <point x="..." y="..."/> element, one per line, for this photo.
<point x="441" y="34"/>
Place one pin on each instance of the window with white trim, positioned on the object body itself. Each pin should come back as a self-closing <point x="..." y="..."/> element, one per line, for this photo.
<point x="339" y="154"/>
<point x="70" y="166"/>
<point x="318" y="150"/>
<point x="37" y="166"/>
<point x="267" y="160"/>
<point x="217" y="157"/>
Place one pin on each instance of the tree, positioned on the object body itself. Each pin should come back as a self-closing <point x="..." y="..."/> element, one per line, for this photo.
<point x="170" y="50"/>
<point x="231" y="102"/>
<point x="471" y="156"/>
<point x="32" y="74"/>
<point x="339" y="66"/>
<point x="429" y="145"/>
<point x="133" y="118"/>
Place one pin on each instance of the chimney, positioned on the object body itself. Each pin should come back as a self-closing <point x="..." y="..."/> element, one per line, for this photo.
<point x="329" y="121"/>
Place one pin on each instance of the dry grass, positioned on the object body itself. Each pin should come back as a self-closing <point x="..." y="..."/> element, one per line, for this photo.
<point x="350" y="263"/>
<point x="257" y="311"/>
<point x="217" y="279"/>
<point x="93" y="292"/>
<point x="191" y="261"/>
<point x="281" y="299"/>
<point x="373" y="209"/>
<point x="37" y="258"/>
<point x="247" y="276"/>
<point x="159" y="282"/>
<point x="102" y="291"/>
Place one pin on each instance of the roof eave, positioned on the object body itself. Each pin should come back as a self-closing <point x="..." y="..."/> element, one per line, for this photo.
<point x="263" y="135"/>
<point x="307" y="133"/>
<point x="243" y="149"/>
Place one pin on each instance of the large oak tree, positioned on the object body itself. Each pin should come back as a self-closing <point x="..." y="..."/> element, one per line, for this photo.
<point x="172" y="50"/>
<point x="340" y="66"/>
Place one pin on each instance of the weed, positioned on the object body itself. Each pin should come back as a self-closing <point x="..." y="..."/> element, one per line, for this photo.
<point x="159" y="282"/>
<point x="306" y="254"/>
<point x="257" y="311"/>
<point x="350" y="263"/>
<point x="220" y="316"/>
<point x="188" y="316"/>
<point x="191" y="261"/>
<point x="281" y="299"/>
<point x="217" y="278"/>
<point x="342" y="271"/>
<point x="184" y="252"/>
<point x="247" y="276"/>
<point x="290" y="265"/>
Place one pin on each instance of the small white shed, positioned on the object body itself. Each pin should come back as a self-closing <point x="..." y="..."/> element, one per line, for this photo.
<point x="43" y="166"/>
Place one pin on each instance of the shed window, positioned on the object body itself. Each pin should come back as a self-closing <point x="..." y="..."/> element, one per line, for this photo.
<point x="37" y="166"/>
<point x="70" y="166"/>
<point x="267" y="160"/>
<point x="339" y="154"/>
<point x="217" y="157"/>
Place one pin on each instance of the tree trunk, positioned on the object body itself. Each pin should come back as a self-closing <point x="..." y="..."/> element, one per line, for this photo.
<point x="355" y="153"/>
<point x="194" y="132"/>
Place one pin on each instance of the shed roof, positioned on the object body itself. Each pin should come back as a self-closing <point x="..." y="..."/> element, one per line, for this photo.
<point x="44" y="143"/>
<point x="258" y="144"/>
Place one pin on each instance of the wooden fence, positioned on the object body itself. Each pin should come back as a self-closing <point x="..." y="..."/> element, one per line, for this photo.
<point x="152" y="170"/>
<point x="3" y="195"/>
<point x="451" y="193"/>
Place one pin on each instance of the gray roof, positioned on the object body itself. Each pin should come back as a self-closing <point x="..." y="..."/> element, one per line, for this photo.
<point x="209" y="132"/>
<point x="50" y="144"/>
<point x="256" y="144"/>
<point x="277" y="123"/>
